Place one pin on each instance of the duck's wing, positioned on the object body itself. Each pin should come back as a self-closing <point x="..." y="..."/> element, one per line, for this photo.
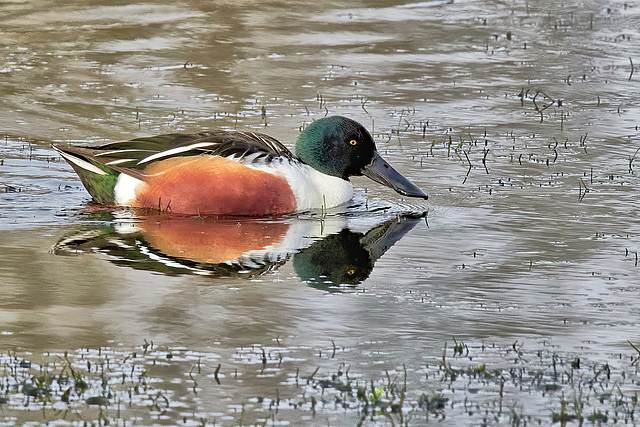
<point x="132" y="157"/>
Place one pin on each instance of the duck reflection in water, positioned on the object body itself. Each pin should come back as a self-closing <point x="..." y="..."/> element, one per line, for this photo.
<point x="325" y="253"/>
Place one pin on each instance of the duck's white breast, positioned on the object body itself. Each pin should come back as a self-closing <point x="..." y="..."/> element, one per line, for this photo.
<point x="312" y="189"/>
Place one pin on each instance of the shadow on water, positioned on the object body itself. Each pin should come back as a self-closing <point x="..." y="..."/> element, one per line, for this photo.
<point x="325" y="252"/>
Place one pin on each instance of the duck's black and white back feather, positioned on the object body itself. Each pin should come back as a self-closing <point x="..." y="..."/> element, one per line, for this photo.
<point x="133" y="156"/>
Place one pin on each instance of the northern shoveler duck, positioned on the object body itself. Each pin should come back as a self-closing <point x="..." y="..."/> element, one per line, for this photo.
<point x="235" y="173"/>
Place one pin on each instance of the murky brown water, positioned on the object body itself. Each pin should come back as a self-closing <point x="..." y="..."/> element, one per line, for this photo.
<point x="518" y="118"/>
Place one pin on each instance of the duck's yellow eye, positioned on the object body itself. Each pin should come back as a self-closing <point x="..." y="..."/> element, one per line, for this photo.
<point x="353" y="142"/>
<point x="351" y="272"/>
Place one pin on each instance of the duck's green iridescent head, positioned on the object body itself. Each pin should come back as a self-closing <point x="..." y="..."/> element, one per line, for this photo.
<point x="339" y="146"/>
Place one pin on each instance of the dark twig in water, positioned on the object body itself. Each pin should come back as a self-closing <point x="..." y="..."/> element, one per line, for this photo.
<point x="364" y="103"/>
<point x="538" y="109"/>
<point x="484" y="160"/>
<point x="581" y="186"/>
<point x="635" y="348"/>
<point x="215" y="374"/>
<point x="631" y="75"/>
<point x="313" y="375"/>
<point x="555" y="151"/>
<point x="468" y="171"/>
<point x="631" y="159"/>
<point x="400" y="120"/>
<point x="195" y="383"/>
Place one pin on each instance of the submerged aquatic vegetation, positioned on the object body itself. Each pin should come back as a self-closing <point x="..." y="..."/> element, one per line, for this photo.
<point x="85" y="386"/>
<point x="470" y="384"/>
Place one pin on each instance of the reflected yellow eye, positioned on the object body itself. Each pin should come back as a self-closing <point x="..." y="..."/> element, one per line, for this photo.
<point x="351" y="272"/>
<point x="353" y="142"/>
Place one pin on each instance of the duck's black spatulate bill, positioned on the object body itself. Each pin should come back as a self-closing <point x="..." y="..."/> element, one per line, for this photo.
<point x="380" y="171"/>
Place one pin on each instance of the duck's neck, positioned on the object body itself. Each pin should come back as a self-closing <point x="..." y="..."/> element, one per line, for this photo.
<point x="317" y="190"/>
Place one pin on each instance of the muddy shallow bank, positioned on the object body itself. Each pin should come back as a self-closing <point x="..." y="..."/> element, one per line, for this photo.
<point x="519" y="120"/>
<point x="263" y="385"/>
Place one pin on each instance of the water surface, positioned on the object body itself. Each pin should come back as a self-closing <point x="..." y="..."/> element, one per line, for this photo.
<point x="518" y="118"/>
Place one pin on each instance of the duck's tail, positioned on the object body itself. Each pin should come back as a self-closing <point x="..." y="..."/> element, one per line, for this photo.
<point x="98" y="179"/>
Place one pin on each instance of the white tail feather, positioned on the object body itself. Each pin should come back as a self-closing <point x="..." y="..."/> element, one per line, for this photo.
<point x="81" y="163"/>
